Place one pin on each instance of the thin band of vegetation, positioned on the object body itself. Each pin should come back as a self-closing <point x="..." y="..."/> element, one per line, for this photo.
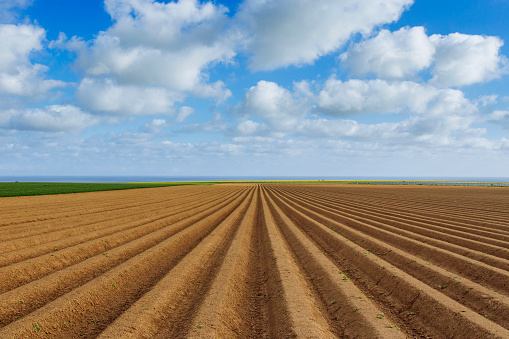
<point x="17" y="189"/>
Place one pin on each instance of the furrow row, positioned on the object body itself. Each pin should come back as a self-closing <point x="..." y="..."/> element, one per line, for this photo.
<point x="42" y="208"/>
<point x="144" y="235"/>
<point x="401" y="203"/>
<point x="439" y="205"/>
<point x="91" y="306"/>
<point x="418" y="230"/>
<point x="81" y="217"/>
<point x="392" y="211"/>
<point x="361" y="258"/>
<point x="492" y="271"/>
<point x="258" y="261"/>
<point x="104" y="236"/>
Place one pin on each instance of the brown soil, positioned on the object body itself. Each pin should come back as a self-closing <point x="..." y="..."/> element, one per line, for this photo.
<point x="257" y="261"/>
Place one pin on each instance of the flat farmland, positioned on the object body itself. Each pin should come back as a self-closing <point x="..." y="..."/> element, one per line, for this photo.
<point x="257" y="261"/>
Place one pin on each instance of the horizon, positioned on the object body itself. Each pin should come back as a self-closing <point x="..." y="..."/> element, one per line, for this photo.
<point x="277" y="88"/>
<point x="205" y="178"/>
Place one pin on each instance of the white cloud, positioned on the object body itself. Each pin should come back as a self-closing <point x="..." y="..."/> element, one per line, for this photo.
<point x="155" y="126"/>
<point x="108" y="97"/>
<point x="373" y="96"/>
<point x="55" y="118"/>
<point x="161" y="45"/>
<point x="17" y="43"/>
<point x="467" y="59"/>
<point x="487" y="100"/>
<point x="8" y="9"/>
<point x="500" y="117"/>
<point x="447" y="131"/>
<point x="74" y="44"/>
<point x="433" y="117"/>
<point x="183" y="113"/>
<point x="339" y="98"/>
<point x="267" y="100"/>
<point x="18" y="76"/>
<point x="252" y="140"/>
<point x="280" y="33"/>
<point x="27" y="81"/>
<point x="216" y="124"/>
<point x="250" y="127"/>
<point x="453" y="60"/>
<point x="391" y="55"/>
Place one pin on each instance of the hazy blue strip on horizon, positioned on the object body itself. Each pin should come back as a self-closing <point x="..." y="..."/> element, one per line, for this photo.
<point x="126" y="179"/>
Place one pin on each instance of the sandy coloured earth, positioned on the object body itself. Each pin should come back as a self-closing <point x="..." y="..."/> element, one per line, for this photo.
<point x="257" y="261"/>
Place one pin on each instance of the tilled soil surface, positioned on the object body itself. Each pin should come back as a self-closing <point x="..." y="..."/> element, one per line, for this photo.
<point x="257" y="261"/>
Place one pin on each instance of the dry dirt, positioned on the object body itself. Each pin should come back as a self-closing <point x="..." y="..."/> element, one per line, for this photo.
<point x="257" y="261"/>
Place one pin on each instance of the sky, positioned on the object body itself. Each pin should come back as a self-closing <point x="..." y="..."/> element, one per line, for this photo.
<point x="254" y="88"/>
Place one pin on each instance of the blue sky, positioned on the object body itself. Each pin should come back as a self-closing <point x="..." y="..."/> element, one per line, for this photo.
<point x="254" y="88"/>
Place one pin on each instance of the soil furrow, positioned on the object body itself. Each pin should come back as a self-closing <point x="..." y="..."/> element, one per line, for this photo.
<point x="474" y="268"/>
<point x="257" y="261"/>
<point x="456" y="214"/>
<point x="335" y="291"/>
<point x="49" y="208"/>
<point x="421" y="219"/>
<point x="170" y="304"/>
<point x="223" y="312"/>
<point x="419" y="229"/>
<point x="77" y="225"/>
<point x="404" y="294"/>
<point x="480" y="299"/>
<point x="20" y="275"/>
<point x="119" y="273"/>
<point x="104" y="239"/>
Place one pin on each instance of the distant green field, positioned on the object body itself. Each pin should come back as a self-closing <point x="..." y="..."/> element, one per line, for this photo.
<point x="16" y="189"/>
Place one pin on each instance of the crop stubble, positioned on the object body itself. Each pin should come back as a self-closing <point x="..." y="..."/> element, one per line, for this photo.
<point x="257" y="260"/>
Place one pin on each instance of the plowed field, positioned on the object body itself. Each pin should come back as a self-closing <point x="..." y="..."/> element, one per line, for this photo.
<point x="257" y="261"/>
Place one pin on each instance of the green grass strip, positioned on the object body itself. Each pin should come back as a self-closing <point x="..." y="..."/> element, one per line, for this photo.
<point x="17" y="189"/>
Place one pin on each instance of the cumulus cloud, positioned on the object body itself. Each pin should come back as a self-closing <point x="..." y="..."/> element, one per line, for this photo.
<point x="8" y="9"/>
<point x="373" y="96"/>
<point x="75" y="44"/>
<point x="339" y="98"/>
<point x="55" y="118"/>
<point x="250" y="128"/>
<point x="280" y="33"/>
<point x="277" y="105"/>
<point x="108" y="97"/>
<point x="427" y="115"/>
<point x="28" y="81"/>
<point x="18" y="76"/>
<point x="453" y="60"/>
<point x="391" y="55"/>
<point x="168" y="45"/>
<point x="17" y="43"/>
<point x="451" y="130"/>
<point x="500" y="117"/>
<point x="467" y="59"/>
